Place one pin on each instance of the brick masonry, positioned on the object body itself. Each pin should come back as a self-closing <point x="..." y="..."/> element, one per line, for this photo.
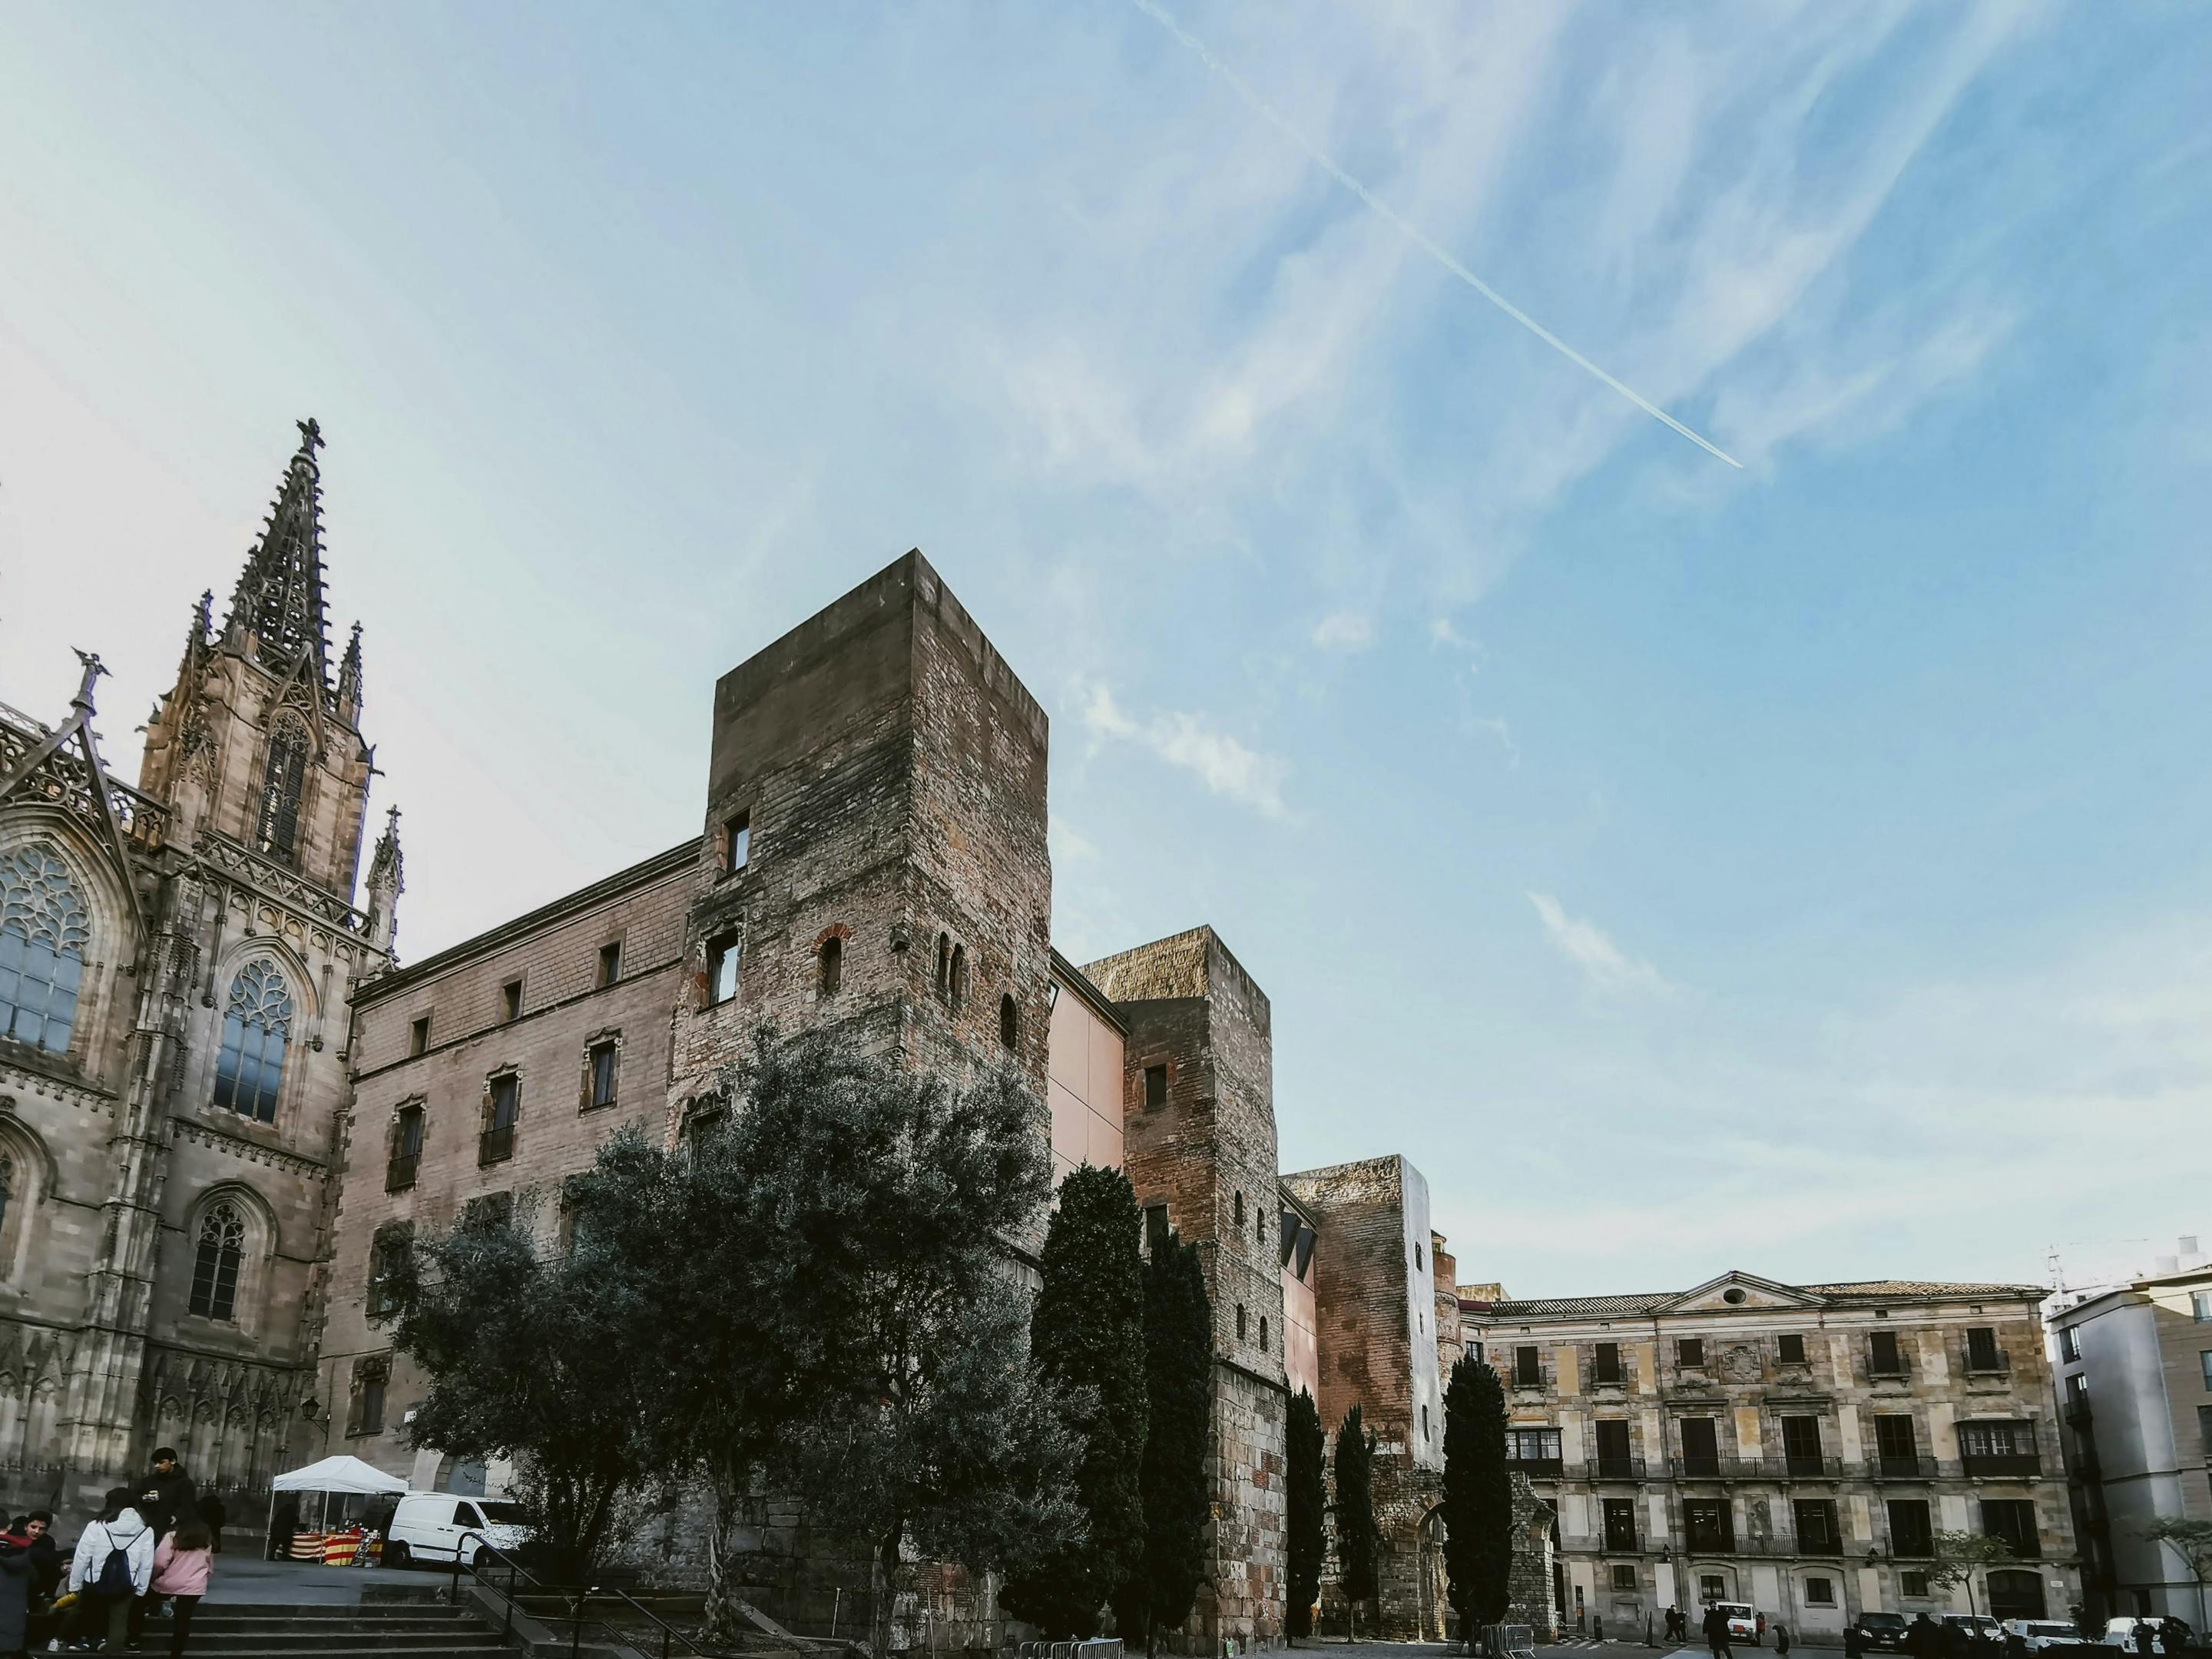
<point x="1375" y="1297"/>
<point x="1205" y="1152"/>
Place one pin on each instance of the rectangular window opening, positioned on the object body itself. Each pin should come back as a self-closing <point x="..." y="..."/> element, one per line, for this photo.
<point x="603" y="1059"/>
<point x="503" y="1100"/>
<point x="2069" y="1344"/>
<point x="737" y="842"/>
<point x="418" y="1037"/>
<point x="510" y="1000"/>
<point x="1690" y="1352"/>
<point x="610" y="962"/>
<point x="1883" y="1357"/>
<point x="1155" y="1087"/>
<point x="723" y="956"/>
<point x="1528" y="1368"/>
<point x="1982" y="1353"/>
<point x="1819" y="1592"/>
<point x="1789" y="1350"/>
<point x="1606" y="1366"/>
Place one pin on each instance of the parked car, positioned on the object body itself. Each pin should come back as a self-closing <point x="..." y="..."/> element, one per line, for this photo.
<point x="1977" y="1626"/>
<point x="1745" y="1622"/>
<point x="1882" y="1632"/>
<point x="2041" y="1633"/>
<point x="2121" y="1633"/>
<point x="440" y="1526"/>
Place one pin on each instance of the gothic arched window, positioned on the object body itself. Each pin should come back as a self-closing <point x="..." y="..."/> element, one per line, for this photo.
<point x="276" y="832"/>
<point x="215" y="1268"/>
<point x="7" y="1197"/>
<point x="43" y="929"/>
<point x="832" y="965"/>
<point x="251" y="1062"/>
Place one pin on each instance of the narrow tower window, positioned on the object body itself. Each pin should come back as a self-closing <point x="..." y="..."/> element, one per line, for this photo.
<point x="277" y="829"/>
<point x="832" y="965"/>
<point x="943" y="968"/>
<point x="737" y="843"/>
<point x="959" y="975"/>
<point x="1010" y="1023"/>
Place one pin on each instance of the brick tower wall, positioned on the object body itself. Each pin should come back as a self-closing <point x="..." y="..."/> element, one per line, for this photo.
<point x="892" y="770"/>
<point x="1375" y="1297"/>
<point x="1208" y="1154"/>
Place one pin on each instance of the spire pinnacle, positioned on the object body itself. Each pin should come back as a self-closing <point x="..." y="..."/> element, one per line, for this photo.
<point x="350" y="677"/>
<point x="277" y="610"/>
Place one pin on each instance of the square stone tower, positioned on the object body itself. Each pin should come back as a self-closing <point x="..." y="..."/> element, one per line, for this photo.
<point x="875" y="851"/>
<point x="1199" y="1134"/>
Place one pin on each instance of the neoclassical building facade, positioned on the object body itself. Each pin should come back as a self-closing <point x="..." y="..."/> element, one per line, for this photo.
<point x="176" y="960"/>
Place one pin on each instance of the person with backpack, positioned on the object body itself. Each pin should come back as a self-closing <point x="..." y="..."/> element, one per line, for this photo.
<point x="113" y="1567"/>
<point x="182" y="1562"/>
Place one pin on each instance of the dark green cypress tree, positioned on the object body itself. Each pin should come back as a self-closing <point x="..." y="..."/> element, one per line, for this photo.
<point x="1179" y="1389"/>
<point x="1306" y="1498"/>
<point x="1478" y="1507"/>
<point x="1359" y="1540"/>
<point x="1088" y="1334"/>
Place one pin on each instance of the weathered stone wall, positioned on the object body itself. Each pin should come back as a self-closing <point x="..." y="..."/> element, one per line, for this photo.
<point x="1375" y="1294"/>
<point x="555" y="953"/>
<point x="890" y="770"/>
<point x="1206" y="1154"/>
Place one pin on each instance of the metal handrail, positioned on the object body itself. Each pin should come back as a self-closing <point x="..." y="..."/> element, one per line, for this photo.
<point x="668" y="1632"/>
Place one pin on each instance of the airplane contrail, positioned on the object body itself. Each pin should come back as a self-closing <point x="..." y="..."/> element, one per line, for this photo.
<point x="1412" y="232"/>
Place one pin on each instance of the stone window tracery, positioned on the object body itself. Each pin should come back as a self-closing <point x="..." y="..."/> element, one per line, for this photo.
<point x="256" y="1028"/>
<point x="214" y="1266"/>
<point x="44" y="926"/>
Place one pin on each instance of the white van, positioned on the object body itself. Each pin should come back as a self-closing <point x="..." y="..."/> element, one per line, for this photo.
<point x="441" y="1526"/>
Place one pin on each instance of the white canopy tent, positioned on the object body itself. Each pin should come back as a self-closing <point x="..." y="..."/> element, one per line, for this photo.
<point x="347" y="1476"/>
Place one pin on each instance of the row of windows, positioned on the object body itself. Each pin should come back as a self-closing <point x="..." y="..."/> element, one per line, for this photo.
<point x="1998" y="1444"/>
<point x="502" y="1108"/>
<point x="607" y="971"/>
<point x="1885" y="1355"/>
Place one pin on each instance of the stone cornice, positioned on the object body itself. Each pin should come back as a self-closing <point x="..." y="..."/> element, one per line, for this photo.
<point x="252" y="1152"/>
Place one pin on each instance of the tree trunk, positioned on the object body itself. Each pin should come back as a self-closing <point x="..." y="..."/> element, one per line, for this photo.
<point x="721" y="1621"/>
<point x="884" y="1573"/>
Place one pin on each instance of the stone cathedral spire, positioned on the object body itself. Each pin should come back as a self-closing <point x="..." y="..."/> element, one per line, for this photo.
<point x="276" y="613"/>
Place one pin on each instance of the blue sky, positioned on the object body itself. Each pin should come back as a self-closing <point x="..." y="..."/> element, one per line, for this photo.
<point x="1800" y="868"/>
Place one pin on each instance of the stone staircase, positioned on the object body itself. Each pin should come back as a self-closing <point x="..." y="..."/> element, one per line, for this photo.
<point x="250" y="1629"/>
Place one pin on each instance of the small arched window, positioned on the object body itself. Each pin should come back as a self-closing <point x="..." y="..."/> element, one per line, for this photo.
<point x="250" y="1063"/>
<point x="1417" y="1257"/>
<point x="831" y="966"/>
<point x="943" y="968"/>
<point x="1237" y="1211"/>
<point x="1424" y="1422"/>
<point x="1263" y="1333"/>
<point x="1240" y="1321"/>
<point x="43" y="929"/>
<point x="215" y="1266"/>
<point x="1010" y="1023"/>
<point x="387" y="1262"/>
<point x="959" y="975"/>
<point x="7" y="1197"/>
<point x="276" y="828"/>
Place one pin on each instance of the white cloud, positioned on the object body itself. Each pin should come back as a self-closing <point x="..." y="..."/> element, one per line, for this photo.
<point x="1497" y="727"/>
<point x="1344" y="630"/>
<point x="1218" y="761"/>
<point x="1607" y="967"/>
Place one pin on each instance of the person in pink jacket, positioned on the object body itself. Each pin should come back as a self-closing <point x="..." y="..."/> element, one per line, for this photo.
<point x="182" y="1562"/>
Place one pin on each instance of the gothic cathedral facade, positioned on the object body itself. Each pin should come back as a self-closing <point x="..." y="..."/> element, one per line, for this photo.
<point x="176" y="965"/>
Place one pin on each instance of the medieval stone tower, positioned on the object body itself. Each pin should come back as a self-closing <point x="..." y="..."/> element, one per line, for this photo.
<point x="175" y="961"/>
<point x="874" y="852"/>
<point x="1199" y="1132"/>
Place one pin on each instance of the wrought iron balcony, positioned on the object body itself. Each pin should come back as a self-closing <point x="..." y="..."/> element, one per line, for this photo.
<point x="399" y="1174"/>
<point x="1901" y="1466"/>
<point x="1982" y="1464"/>
<point x="1620" y="1466"/>
<point x="1538" y="1468"/>
<point x="494" y="1144"/>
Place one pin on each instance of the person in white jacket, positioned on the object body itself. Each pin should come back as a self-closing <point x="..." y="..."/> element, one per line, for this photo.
<point x="119" y="1529"/>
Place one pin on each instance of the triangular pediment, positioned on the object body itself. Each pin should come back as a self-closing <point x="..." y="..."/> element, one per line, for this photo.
<point x="1738" y="1291"/>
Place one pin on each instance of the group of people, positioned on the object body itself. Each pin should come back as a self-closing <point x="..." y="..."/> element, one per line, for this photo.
<point x="155" y="1544"/>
